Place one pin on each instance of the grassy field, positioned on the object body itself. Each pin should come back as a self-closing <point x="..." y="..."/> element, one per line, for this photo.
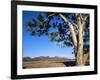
<point x="46" y="64"/>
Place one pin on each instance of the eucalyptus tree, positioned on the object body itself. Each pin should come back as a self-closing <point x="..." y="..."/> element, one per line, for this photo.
<point x="70" y="29"/>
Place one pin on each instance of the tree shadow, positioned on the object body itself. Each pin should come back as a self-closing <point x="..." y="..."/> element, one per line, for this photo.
<point x="70" y="63"/>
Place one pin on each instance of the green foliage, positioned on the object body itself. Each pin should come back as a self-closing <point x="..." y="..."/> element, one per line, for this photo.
<point x="57" y="30"/>
<point x="40" y="17"/>
<point x="53" y="36"/>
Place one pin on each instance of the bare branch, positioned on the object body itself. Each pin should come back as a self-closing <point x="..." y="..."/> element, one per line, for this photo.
<point x="84" y="20"/>
<point x="49" y="16"/>
<point x="73" y="34"/>
<point x="46" y="18"/>
<point x="63" y="17"/>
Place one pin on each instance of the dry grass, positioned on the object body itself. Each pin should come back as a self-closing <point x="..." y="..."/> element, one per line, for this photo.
<point x="43" y="64"/>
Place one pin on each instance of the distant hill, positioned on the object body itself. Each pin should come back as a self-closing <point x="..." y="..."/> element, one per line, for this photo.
<point x="46" y="58"/>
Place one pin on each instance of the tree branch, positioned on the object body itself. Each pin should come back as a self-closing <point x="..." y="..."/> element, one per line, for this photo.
<point x="46" y="18"/>
<point x="49" y="16"/>
<point x="84" y="20"/>
<point x="71" y="30"/>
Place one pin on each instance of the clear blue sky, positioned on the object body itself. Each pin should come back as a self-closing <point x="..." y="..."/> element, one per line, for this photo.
<point x="40" y="46"/>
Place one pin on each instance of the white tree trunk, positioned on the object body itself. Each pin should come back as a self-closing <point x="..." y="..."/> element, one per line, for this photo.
<point x="80" y="55"/>
<point x="78" y="44"/>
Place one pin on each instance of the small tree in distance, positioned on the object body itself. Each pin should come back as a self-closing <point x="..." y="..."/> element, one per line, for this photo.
<point x="70" y="29"/>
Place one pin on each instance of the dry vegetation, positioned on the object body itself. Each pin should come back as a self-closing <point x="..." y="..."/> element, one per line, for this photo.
<point x="46" y="63"/>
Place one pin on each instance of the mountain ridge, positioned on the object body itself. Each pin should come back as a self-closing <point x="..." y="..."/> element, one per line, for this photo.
<point x="46" y="58"/>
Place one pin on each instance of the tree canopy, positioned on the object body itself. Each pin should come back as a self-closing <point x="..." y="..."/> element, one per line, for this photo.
<point x="54" y="26"/>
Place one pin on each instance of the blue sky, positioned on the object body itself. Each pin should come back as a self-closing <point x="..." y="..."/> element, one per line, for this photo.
<point x="34" y="46"/>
